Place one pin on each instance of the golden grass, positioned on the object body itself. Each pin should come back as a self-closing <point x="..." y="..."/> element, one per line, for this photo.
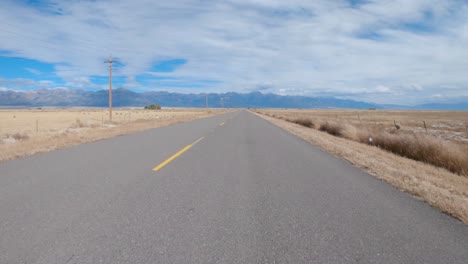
<point x="332" y="128"/>
<point x="438" y="187"/>
<point x="451" y="155"/>
<point x="26" y="132"/>
<point x="451" y="125"/>
<point x="425" y="148"/>
<point x="303" y="122"/>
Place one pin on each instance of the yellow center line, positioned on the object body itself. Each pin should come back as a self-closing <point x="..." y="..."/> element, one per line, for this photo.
<point x="164" y="163"/>
<point x="198" y="140"/>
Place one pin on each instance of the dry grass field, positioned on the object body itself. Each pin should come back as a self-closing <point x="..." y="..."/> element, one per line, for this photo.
<point x="432" y="165"/>
<point x="449" y="125"/>
<point x="438" y="138"/>
<point x="25" y="132"/>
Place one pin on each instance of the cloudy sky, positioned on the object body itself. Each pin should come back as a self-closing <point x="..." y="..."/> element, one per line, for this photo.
<point x="401" y="51"/>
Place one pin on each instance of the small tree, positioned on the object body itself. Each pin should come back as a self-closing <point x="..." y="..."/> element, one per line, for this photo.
<point x="153" y="107"/>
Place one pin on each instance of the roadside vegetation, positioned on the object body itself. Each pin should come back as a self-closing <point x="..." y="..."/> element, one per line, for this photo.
<point x="426" y="148"/>
<point x="421" y="163"/>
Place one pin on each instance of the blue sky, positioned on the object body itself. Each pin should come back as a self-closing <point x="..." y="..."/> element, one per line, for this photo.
<point x="392" y="51"/>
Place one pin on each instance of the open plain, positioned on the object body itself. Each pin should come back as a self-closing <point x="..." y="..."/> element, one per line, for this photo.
<point x="27" y="131"/>
<point x="450" y="125"/>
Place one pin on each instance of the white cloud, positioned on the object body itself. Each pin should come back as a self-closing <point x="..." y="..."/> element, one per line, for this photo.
<point x="79" y="82"/>
<point x="296" y="47"/>
<point x="17" y="82"/>
<point x="414" y="87"/>
<point x="33" y="71"/>
<point x="45" y="84"/>
<point x="382" y="89"/>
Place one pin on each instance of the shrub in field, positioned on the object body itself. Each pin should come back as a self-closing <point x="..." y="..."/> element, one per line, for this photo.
<point x="20" y="136"/>
<point x="153" y="107"/>
<point x="355" y="133"/>
<point x="79" y="123"/>
<point x="428" y="149"/>
<point x="332" y="128"/>
<point x="303" y="122"/>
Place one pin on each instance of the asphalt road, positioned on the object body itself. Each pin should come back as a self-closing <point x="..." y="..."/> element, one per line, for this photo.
<point x="246" y="192"/>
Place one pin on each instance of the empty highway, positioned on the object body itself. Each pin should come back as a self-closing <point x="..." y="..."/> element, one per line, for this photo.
<point x="232" y="188"/>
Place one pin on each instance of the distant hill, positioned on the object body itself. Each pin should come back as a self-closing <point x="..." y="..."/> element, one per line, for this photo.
<point x="430" y="106"/>
<point x="124" y="97"/>
<point x="443" y="106"/>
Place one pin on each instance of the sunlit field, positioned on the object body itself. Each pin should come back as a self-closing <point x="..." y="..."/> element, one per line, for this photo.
<point x="28" y="131"/>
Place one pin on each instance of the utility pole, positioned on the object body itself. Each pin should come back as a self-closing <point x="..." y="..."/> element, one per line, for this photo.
<point x="110" y="61"/>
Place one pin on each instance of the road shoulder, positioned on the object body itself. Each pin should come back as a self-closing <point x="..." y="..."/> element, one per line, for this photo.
<point x="438" y="187"/>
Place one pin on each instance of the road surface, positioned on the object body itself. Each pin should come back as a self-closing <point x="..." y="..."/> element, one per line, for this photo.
<point x="226" y="189"/>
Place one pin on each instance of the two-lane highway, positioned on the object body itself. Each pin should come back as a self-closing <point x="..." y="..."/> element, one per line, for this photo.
<point x="227" y="189"/>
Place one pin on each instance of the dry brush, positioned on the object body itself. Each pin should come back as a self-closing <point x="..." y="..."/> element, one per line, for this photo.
<point x="425" y="148"/>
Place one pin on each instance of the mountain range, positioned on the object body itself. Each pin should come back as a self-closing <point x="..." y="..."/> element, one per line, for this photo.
<point x="125" y="98"/>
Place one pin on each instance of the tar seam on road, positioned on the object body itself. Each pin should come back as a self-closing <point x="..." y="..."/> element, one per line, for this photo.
<point x="180" y="152"/>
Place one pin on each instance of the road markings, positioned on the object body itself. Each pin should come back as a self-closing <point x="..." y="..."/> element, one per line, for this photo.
<point x="180" y="152"/>
<point x="222" y="124"/>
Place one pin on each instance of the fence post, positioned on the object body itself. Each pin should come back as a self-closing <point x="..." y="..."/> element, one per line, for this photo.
<point x="425" y="127"/>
